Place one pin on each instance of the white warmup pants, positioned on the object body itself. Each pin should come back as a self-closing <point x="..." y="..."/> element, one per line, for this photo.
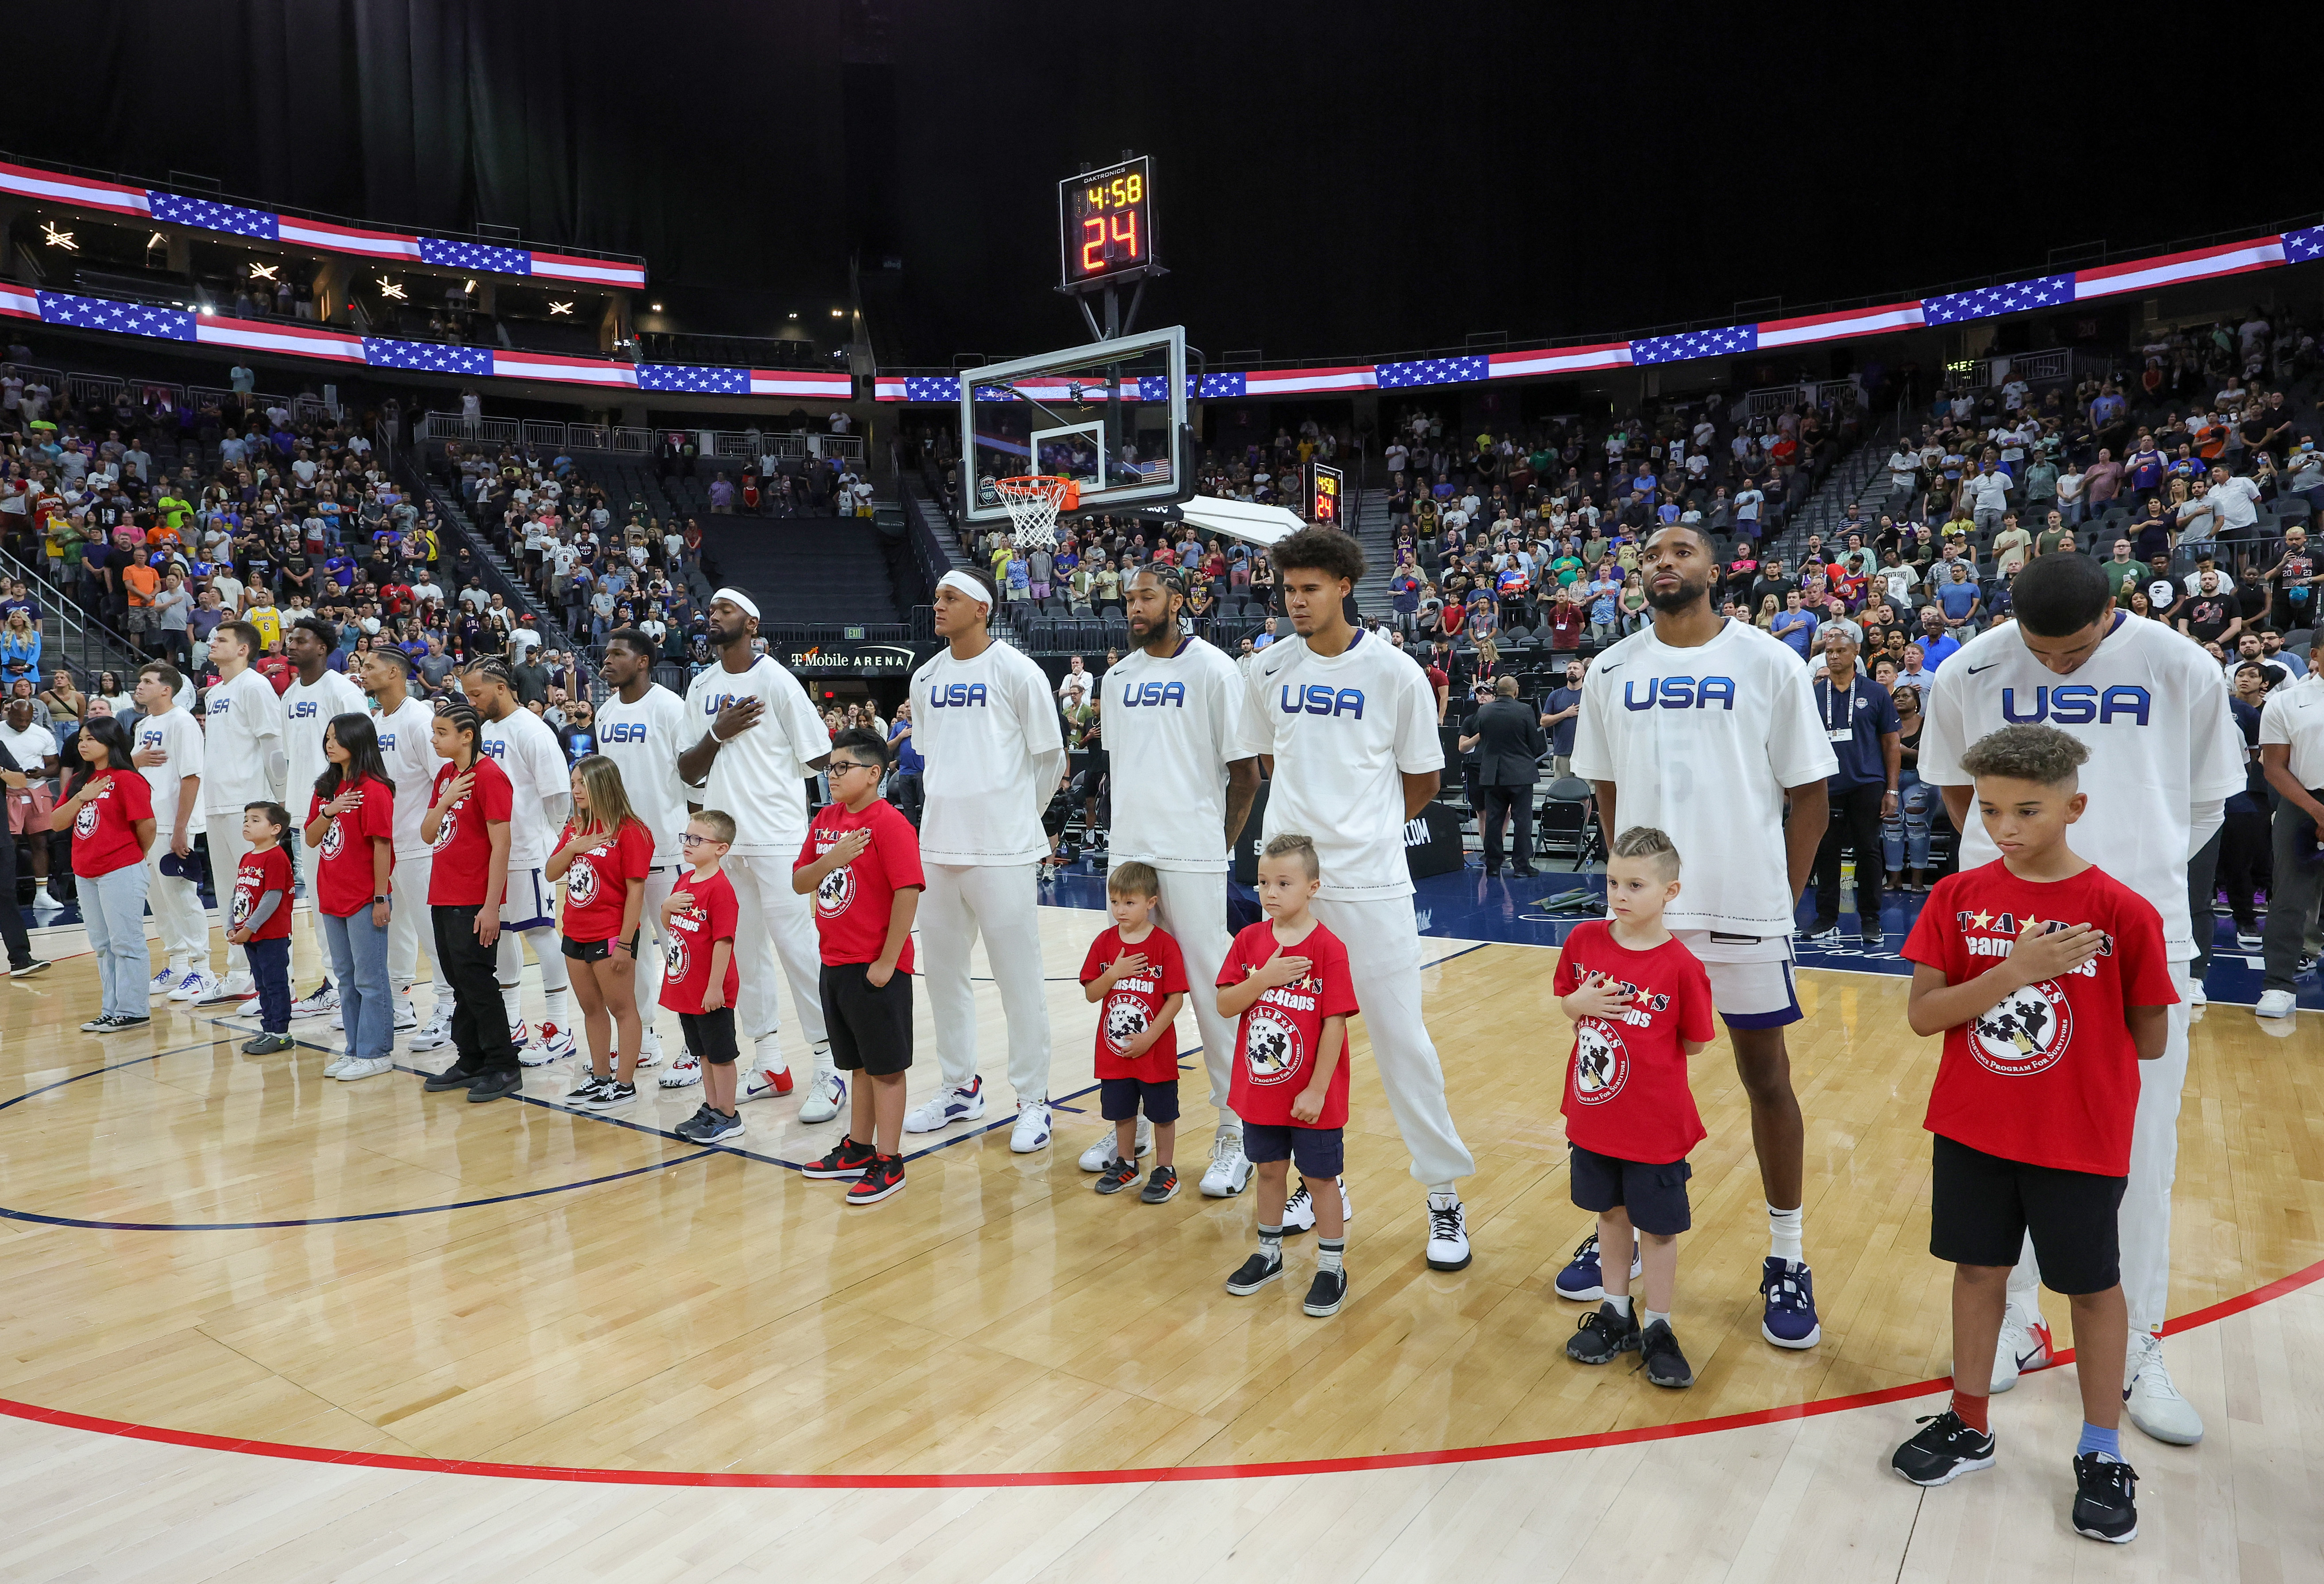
<point x="2143" y="1223"/>
<point x="660" y="883"/>
<point x="1383" y="943"/>
<point x="508" y="967"/>
<point x="776" y="922"/>
<point x="226" y="848"/>
<point x="408" y="922"/>
<point x="1002" y="903"/>
<point x="1195" y="911"/>
<point x="177" y="907"/>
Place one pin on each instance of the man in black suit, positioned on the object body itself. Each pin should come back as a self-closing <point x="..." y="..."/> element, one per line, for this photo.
<point x="1509" y="743"/>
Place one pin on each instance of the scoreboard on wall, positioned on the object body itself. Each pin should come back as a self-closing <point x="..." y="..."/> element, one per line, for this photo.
<point x="1105" y="224"/>
<point x="1325" y="495"/>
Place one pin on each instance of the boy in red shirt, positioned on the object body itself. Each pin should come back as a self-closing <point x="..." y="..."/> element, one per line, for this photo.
<point x="861" y="861"/>
<point x="2048" y="979"/>
<point x="1136" y="973"/>
<point x="1286" y="979"/>
<point x="1640" y="1003"/>
<point x="260" y="922"/>
<point x="699" y="979"/>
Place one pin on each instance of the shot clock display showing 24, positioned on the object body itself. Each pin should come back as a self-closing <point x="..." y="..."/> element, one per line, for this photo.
<point x="1105" y="224"/>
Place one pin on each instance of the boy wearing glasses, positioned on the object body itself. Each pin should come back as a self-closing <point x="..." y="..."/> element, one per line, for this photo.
<point x="861" y="862"/>
<point x="699" y="979"/>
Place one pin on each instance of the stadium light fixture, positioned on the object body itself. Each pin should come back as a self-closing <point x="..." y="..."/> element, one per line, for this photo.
<point x="56" y="238"/>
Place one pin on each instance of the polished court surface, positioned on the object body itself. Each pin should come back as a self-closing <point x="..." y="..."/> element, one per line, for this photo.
<point x="335" y="1330"/>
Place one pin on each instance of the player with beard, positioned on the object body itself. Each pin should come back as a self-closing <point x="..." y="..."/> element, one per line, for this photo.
<point x="1182" y="792"/>
<point x="760" y="741"/>
<point x="1701" y="727"/>
<point x="315" y="695"/>
<point x="407" y="747"/>
<point x="641" y="728"/>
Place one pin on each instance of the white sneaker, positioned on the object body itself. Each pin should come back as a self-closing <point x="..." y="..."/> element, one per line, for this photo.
<point x="364" y="1067"/>
<point x="325" y="1000"/>
<point x="2153" y="1402"/>
<point x="1032" y="1129"/>
<point x="434" y="1035"/>
<point x="1448" y="1233"/>
<point x="825" y="1096"/>
<point x="535" y="1052"/>
<point x="2026" y="1344"/>
<point x="767" y="1082"/>
<point x="682" y="1073"/>
<point x="649" y="1051"/>
<point x="1094" y="1158"/>
<point x="197" y="983"/>
<point x="338" y="1020"/>
<point x="167" y="980"/>
<point x="234" y="986"/>
<point x="2276" y="1003"/>
<point x="338" y="1063"/>
<point x="557" y="1041"/>
<point x="1228" y="1173"/>
<point x="2196" y="995"/>
<point x="1299" y="1210"/>
<point x="42" y="902"/>
<point x="405" y="1017"/>
<point x="946" y="1106"/>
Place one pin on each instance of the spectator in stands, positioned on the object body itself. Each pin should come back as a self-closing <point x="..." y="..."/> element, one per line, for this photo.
<point x="1560" y="717"/>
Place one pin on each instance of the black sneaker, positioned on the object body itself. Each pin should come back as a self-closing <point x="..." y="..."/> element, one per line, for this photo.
<point x="708" y="1127"/>
<point x="26" y="969"/>
<point x="847" y="1159"/>
<point x="267" y="1045"/>
<point x="605" y="1096"/>
<point x="455" y="1076"/>
<point x="1161" y="1187"/>
<point x="118" y="1021"/>
<point x="1254" y="1273"/>
<point x="1601" y="1336"/>
<point x="883" y="1176"/>
<point x="493" y="1086"/>
<point x="1326" y="1293"/>
<point x="1117" y="1174"/>
<point x="1665" y="1365"/>
<point x="2103" y="1507"/>
<point x="588" y="1090"/>
<point x="1823" y="932"/>
<point x="1944" y="1452"/>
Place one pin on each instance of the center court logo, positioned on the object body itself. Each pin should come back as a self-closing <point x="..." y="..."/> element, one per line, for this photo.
<point x="1272" y="1048"/>
<point x="2025" y="1034"/>
<point x="1602" y="1061"/>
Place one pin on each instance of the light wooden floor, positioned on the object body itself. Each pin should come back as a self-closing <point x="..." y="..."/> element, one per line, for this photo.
<point x="717" y="1313"/>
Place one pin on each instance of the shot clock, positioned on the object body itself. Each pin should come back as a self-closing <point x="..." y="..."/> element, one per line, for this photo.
<point x="1105" y="224"/>
<point x="1324" y="495"/>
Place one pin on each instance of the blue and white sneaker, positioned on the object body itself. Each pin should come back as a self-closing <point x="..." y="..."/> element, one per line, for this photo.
<point x="1790" y="1293"/>
<point x="1583" y="1281"/>
<point x="946" y="1106"/>
<point x="167" y="980"/>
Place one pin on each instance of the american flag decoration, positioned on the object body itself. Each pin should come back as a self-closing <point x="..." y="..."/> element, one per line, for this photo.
<point x="2302" y="246"/>
<point x="1433" y="371"/>
<point x="1986" y="302"/>
<point x="447" y="254"/>
<point x="699" y="378"/>
<point x="426" y="356"/>
<point x="124" y="318"/>
<point x="931" y="388"/>
<point x="1718" y="342"/>
<point x="211" y="215"/>
<point x="1221" y="387"/>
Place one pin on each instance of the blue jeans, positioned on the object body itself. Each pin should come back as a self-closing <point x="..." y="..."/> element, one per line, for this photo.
<point x="358" y="949"/>
<point x="113" y="906"/>
<point x="1905" y="839"/>
<point x="270" y="969"/>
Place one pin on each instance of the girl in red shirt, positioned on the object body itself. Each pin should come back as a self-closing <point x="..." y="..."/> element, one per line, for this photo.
<point x="467" y="824"/>
<point x="351" y="821"/>
<point x="111" y="817"/>
<point x="602" y="856"/>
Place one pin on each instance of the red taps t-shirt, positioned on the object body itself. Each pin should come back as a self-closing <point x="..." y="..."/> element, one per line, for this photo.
<point x="1278" y="1042"/>
<point x="462" y="864"/>
<point x="1626" y="1088"/>
<point x="257" y="874"/>
<point x="2047" y="1075"/>
<point x="705" y="914"/>
<point x="1134" y="1002"/>
<point x="855" y="902"/>
<point x="102" y="839"/>
<point x="597" y="886"/>
<point x="344" y="883"/>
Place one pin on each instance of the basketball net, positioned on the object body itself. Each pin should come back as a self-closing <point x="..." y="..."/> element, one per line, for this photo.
<point x="1033" y="502"/>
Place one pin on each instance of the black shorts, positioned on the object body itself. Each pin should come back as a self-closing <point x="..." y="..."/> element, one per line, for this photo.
<point x="1653" y="1196"/>
<point x="870" y="1029"/>
<point x="710" y="1037"/>
<point x="596" y="951"/>
<point x="1317" y="1152"/>
<point x="1120" y="1099"/>
<point x="1982" y="1206"/>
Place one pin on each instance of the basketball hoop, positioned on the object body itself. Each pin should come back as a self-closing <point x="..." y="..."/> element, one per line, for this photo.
<point x="1033" y="501"/>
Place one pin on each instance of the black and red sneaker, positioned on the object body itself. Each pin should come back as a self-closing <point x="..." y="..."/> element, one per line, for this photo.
<point x="883" y="1176"/>
<point x="1118" y="1175"/>
<point x="848" y="1159"/>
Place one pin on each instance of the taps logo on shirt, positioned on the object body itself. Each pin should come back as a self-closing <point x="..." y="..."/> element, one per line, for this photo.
<point x="958" y="696"/>
<point x="1272" y="1048"/>
<point x="1679" y="693"/>
<point x="675" y="949"/>
<point x="1316" y="699"/>
<point x="85" y="821"/>
<point x="335" y="841"/>
<point x="836" y="894"/>
<point x="1602" y="1061"/>
<point x="2079" y="705"/>
<point x="1154" y="694"/>
<point x="581" y="883"/>
<point x="1125" y="1019"/>
<point x="2027" y="1032"/>
<point x="451" y="825"/>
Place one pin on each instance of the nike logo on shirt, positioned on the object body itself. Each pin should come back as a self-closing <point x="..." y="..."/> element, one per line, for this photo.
<point x="1988" y="666"/>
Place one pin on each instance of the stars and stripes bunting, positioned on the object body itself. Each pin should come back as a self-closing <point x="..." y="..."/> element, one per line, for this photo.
<point x="2201" y="264"/>
<point x="209" y="215"/>
<point x="80" y="191"/>
<point x="123" y="319"/>
<point x="376" y="244"/>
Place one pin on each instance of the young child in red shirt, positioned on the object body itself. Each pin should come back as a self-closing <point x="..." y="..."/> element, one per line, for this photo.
<point x="259" y="922"/>
<point x="862" y="862"/>
<point x="700" y="978"/>
<point x="1137" y="975"/>
<point x="602" y="855"/>
<point x="1640" y="1003"/>
<point x="1286" y="979"/>
<point x="2047" y="978"/>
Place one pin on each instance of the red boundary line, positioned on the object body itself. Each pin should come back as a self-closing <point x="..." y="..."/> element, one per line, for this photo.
<point x="1526" y="1449"/>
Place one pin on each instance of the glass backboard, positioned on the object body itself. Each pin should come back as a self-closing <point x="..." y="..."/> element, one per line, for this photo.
<point x="1110" y="415"/>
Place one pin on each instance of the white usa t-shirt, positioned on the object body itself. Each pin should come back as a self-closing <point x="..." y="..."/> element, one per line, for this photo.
<point x="306" y="710"/>
<point x="524" y="747"/>
<point x="2151" y="706"/>
<point x="1344" y="731"/>
<point x="759" y="775"/>
<point x="177" y="735"/>
<point x="994" y="748"/>
<point x="645" y="739"/>
<point x="242" y="730"/>
<point x="1700" y="744"/>
<point x="407" y="744"/>
<point x="1170" y="727"/>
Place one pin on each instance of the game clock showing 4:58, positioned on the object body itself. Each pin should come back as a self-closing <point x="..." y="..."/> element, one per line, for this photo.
<point x="1105" y="223"/>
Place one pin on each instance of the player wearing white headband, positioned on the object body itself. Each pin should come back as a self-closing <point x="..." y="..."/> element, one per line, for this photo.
<point x="757" y="739"/>
<point x="984" y="719"/>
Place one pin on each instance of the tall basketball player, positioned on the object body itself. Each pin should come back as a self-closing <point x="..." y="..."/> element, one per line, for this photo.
<point x="1701" y="727"/>
<point x="407" y="746"/>
<point x="315" y="694"/>
<point x="1351" y="722"/>
<point x="518" y="740"/>
<point x="170" y="757"/>
<point x="987" y="725"/>
<point x="641" y="728"/>
<point x="1181" y="791"/>
<point x="242" y="762"/>
<point x="760" y="739"/>
<point x="2165" y="755"/>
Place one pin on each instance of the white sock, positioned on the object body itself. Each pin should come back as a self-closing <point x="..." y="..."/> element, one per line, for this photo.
<point x="1784" y="1235"/>
<point x="1652" y="1315"/>
<point x="1447" y="1190"/>
<point x="555" y="1007"/>
<point x="1620" y="1304"/>
<point x="512" y="998"/>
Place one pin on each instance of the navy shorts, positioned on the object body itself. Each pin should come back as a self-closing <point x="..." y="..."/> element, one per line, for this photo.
<point x="1121" y="1099"/>
<point x="1317" y="1152"/>
<point x="1653" y="1196"/>
<point x="1982" y="1206"/>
